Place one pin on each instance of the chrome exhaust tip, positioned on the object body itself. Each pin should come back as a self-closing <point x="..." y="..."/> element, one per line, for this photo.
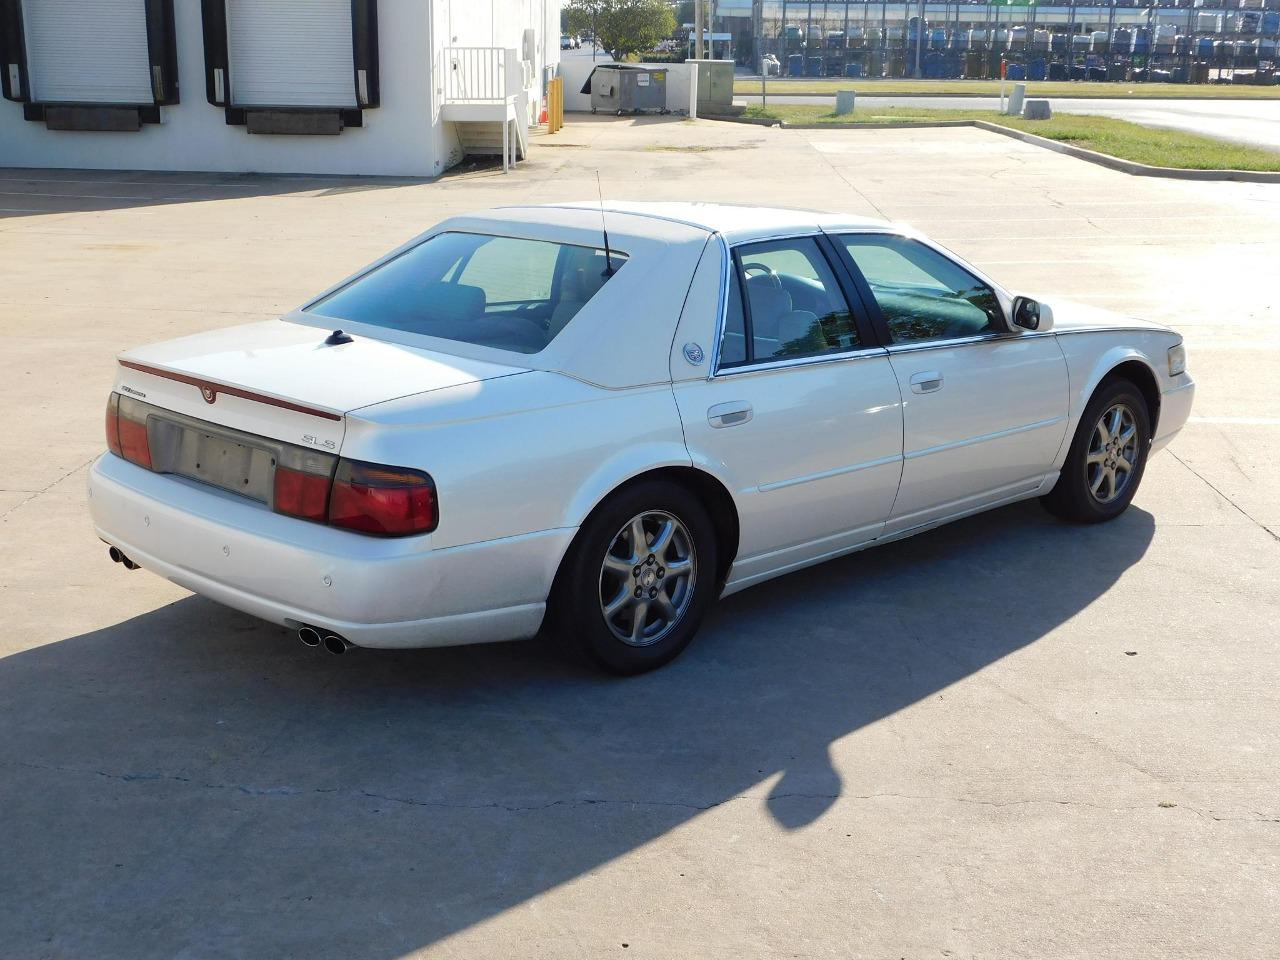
<point x="310" y="636"/>
<point x="118" y="556"/>
<point x="336" y="644"/>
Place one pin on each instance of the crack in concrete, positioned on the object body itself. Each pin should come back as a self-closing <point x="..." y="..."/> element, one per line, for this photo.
<point x="850" y="184"/>
<point x="288" y="791"/>
<point x="1244" y="513"/>
<point x="46" y="489"/>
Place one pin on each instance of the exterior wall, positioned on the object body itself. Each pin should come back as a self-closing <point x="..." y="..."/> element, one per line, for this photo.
<point x="404" y="136"/>
<point x="501" y="23"/>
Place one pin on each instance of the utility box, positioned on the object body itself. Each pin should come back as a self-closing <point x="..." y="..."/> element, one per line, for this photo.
<point x="715" y="86"/>
<point x="625" y="89"/>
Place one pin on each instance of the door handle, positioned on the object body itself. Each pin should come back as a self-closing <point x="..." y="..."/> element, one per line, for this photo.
<point x="926" y="382"/>
<point x="729" y="414"/>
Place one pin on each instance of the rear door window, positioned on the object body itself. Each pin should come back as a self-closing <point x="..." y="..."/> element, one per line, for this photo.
<point x="785" y="303"/>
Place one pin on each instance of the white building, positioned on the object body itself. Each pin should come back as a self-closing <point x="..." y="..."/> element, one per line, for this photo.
<point x="377" y="87"/>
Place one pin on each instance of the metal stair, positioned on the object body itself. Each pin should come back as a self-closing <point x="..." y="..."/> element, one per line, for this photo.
<point x="483" y="138"/>
<point x="487" y="100"/>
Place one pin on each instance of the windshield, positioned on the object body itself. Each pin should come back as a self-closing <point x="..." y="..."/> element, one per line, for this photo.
<point x="501" y="292"/>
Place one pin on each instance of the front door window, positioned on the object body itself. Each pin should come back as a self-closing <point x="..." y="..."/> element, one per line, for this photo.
<point x="923" y="295"/>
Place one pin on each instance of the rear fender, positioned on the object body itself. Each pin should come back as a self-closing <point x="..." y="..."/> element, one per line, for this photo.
<point x="624" y="466"/>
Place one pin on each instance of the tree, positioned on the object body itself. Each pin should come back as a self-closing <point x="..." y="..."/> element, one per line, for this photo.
<point x="622" y="26"/>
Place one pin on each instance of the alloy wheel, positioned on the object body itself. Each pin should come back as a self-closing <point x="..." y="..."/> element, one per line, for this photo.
<point x="647" y="578"/>
<point x="1113" y="453"/>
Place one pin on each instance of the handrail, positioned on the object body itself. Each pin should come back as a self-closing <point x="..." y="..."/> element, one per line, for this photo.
<point x="476" y="75"/>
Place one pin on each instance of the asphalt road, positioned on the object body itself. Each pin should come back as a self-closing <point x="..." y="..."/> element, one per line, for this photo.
<point x="1255" y="122"/>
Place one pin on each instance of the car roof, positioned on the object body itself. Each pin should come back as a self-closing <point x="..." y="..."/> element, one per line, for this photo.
<point x="736" y="222"/>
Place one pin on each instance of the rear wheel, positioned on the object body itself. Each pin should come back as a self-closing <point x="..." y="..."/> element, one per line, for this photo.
<point x="638" y="579"/>
<point x="1107" y="457"/>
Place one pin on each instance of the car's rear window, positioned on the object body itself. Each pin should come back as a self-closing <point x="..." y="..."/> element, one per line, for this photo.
<point x="501" y="292"/>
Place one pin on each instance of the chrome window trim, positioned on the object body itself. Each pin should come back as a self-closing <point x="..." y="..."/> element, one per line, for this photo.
<point x="963" y="341"/>
<point x="722" y="308"/>
<point x="860" y="354"/>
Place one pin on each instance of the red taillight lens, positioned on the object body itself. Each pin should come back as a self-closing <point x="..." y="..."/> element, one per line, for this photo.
<point x="131" y="429"/>
<point x="113" y="424"/>
<point x="302" y="483"/>
<point x="388" y="501"/>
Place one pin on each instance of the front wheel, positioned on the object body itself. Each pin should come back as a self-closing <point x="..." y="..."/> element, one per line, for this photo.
<point x="638" y="579"/>
<point x="1107" y="457"/>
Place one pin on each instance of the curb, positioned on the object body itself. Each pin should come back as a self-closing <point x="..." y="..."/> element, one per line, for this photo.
<point x="1080" y="153"/>
<point x="754" y="121"/>
<point x="1128" y="166"/>
<point x="887" y="125"/>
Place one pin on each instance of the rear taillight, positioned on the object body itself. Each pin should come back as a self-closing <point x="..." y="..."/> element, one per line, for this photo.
<point x="113" y="424"/>
<point x="385" y="501"/>
<point x="302" y="482"/>
<point x="131" y="431"/>
<point x="363" y="497"/>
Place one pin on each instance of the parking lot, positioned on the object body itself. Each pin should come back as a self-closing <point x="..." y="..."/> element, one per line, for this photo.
<point x="1006" y="738"/>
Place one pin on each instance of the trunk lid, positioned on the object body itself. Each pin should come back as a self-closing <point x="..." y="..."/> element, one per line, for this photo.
<point x="280" y="380"/>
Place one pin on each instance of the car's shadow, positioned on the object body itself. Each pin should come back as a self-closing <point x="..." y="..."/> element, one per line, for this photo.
<point x="193" y="782"/>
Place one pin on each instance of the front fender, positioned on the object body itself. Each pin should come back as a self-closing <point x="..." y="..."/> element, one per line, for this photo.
<point x="1089" y="362"/>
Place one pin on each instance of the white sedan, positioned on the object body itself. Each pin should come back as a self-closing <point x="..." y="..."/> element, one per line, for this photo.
<point x="517" y="422"/>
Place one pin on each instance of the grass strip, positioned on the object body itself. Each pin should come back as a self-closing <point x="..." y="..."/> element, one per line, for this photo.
<point x="1117" y="138"/>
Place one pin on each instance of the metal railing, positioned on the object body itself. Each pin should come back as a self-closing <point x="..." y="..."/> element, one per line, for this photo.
<point x="476" y="75"/>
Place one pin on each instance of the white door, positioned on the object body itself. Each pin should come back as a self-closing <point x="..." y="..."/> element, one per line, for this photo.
<point x="802" y="416"/>
<point x="291" y="53"/>
<point x="984" y="410"/>
<point x="87" y="51"/>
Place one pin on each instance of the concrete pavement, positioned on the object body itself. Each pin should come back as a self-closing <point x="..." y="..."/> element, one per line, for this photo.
<point x="1252" y="122"/>
<point x="1006" y="738"/>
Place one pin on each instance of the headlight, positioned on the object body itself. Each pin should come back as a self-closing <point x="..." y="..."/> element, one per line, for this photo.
<point x="1177" y="360"/>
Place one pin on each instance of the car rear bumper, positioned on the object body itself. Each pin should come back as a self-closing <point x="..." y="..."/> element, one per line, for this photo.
<point x="1175" y="409"/>
<point x="375" y="592"/>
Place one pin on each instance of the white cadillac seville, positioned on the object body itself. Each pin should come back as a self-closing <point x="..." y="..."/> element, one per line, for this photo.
<point x="517" y="421"/>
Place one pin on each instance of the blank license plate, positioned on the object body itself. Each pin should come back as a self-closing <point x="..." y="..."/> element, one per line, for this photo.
<point x="223" y="463"/>
<point x="216" y="459"/>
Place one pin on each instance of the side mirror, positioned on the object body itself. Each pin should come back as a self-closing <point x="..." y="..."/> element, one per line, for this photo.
<point x="1031" y="315"/>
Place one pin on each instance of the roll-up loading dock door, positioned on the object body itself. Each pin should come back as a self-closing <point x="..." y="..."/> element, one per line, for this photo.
<point x="291" y="53"/>
<point x="292" y="66"/>
<point x="95" y="65"/>
<point x="87" y="51"/>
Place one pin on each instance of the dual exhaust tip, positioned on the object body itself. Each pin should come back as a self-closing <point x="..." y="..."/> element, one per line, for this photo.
<point x="332" y="642"/>
<point x="118" y="556"/>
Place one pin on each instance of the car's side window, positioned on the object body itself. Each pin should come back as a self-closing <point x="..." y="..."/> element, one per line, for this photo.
<point x="923" y="295"/>
<point x="784" y="303"/>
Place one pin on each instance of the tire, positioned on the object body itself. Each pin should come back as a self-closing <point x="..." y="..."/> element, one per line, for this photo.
<point x="1084" y="492"/>
<point x="601" y="567"/>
